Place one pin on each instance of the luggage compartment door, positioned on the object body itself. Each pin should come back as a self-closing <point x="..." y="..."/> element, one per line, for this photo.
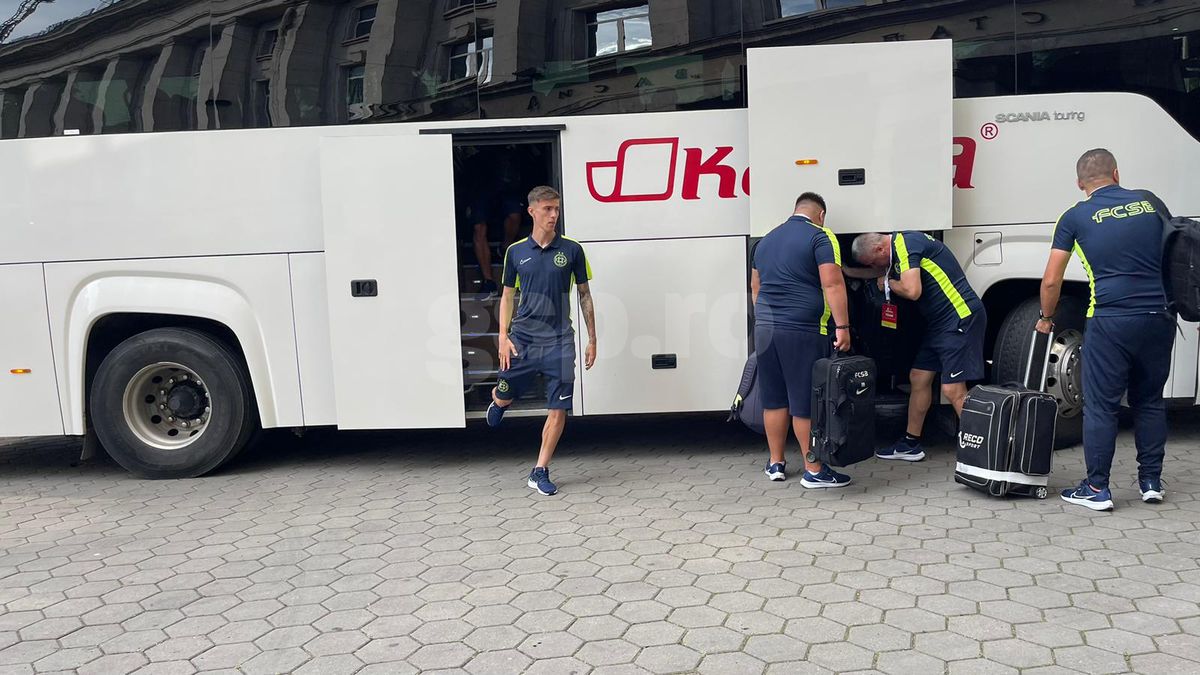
<point x="671" y="318"/>
<point x="388" y="207"/>
<point x="29" y="401"/>
<point x="868" y="126"/>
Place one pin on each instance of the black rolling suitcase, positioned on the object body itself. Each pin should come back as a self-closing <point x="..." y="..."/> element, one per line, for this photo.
<point x="1006" y="434"/>
<point x="843" y="410"/>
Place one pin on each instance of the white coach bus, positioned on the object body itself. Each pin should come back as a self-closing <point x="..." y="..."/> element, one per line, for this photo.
<point x="170" y="293"/>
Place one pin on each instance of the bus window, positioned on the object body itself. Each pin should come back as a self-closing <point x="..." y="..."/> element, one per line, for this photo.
<point x="1114" y="47"/>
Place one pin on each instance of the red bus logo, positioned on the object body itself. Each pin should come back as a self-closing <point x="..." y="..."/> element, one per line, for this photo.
<point x="654" y="164"/>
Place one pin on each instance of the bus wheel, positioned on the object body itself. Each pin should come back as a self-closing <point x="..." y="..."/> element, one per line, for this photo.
<point x="1064" y="379"/>
<point x="172" y="403"/>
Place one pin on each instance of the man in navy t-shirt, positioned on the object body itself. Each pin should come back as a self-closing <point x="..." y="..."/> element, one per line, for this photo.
<point x="540" y="338"/>
<point x="797" y="287"/>
<point x="1117" y="234"/>
<point x="920" y="268"/>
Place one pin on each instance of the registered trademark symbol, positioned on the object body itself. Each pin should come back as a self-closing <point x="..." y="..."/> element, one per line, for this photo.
<point x="989" y="131"/>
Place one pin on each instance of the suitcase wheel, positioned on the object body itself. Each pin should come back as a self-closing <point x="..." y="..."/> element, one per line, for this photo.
<point x="1040" y="493"/>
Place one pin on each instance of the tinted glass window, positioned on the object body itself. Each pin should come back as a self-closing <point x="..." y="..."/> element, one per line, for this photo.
<point x="1149" y="48"/>
<point x="108" y="66"/>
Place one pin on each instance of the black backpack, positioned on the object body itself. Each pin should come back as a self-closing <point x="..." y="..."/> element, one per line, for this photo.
<point x="747" y="404"/>
<point x="1181" y="266"/>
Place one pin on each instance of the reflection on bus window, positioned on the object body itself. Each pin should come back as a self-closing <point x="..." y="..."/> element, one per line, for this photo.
<point x="118" y="66"/>
<point x="618" y="30"/>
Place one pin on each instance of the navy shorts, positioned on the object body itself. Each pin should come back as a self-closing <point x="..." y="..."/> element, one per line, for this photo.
<point x="785" y="366"/>
<point x="956" y="353"/>
<point x="555" y="361"/>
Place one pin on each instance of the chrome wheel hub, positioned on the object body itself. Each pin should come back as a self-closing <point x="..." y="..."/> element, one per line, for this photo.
<point x="1064" y="377"/>
<point x="167" y="406"/>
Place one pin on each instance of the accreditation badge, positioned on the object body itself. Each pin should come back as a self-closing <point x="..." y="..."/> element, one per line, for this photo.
<point x="889" y="315"/>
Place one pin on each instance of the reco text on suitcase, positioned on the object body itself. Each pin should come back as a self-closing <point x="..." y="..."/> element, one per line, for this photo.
<point x="1006" y="434"/>
<point x="843" y="410"/>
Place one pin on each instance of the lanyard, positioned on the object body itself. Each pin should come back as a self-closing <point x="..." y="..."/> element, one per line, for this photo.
<point x="887" y="281"/>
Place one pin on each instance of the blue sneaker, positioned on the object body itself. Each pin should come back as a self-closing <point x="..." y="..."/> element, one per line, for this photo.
<point x="775" y="471"/>
<point x="826" y="478"/>
<point x="539" y="479"/>
<point x="1152" y="490"/>
<point x="902" y="451"/>
<point x="495" y="414"/>
<point x="1084" y="495"/>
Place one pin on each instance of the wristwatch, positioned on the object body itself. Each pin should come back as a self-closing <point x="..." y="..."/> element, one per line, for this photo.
<point x="1043" y="317"/>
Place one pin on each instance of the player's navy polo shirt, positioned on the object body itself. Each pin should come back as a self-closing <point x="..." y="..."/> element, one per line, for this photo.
<point x="544" y="277"/>
<point x="788" y="261"/>
<point x="1117" y="235"/>
<point x="946" y="297"/>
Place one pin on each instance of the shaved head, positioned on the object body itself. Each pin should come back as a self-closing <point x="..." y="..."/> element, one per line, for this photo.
<point x="1095" y="166"/>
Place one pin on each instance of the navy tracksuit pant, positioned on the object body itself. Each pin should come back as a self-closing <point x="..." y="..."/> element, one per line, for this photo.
<point x="1123" y="353"/>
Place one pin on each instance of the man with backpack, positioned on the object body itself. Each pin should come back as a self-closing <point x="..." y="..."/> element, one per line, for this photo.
<point x="1117" y="235"/>
<point x="797" y="286"/>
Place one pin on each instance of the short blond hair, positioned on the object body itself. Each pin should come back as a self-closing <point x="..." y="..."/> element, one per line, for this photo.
<point x="543" y="193"/>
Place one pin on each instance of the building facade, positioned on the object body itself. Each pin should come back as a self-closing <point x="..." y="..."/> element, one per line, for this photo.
<point x="165" y="65"/>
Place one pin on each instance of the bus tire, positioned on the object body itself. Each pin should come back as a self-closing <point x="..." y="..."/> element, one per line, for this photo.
<point x="172" y="403"/>
<point x="1064" y="379"/>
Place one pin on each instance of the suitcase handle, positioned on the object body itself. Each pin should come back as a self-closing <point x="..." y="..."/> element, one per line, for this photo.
<point x="1041" y="381"/>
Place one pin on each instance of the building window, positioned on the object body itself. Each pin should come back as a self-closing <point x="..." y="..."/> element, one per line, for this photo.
<point x="471" y="59"/>
<point x="262" y="103"/>
<point x="788" y="8"/>
<point x="354" y="85"/>
<point x="266" y="43"/>
<point x="618" y="30"/>
<point x="361" y="21"/>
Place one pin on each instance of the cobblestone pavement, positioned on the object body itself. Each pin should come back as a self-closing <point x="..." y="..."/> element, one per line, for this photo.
<point x="666" y="551"/>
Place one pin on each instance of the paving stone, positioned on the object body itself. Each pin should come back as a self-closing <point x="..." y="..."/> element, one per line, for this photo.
<point x="558" y="666"/>
<point x="1017" y="653"/>
<point x="275" y="661"/>
<point x="593" y="628"/>
<point x="776" y="648"/>
<point x="1090" y="660"/>
<point x="908" y="663"/>
<point x="607" y="652"/>
<point x="225" y="656"/>
<point x="980" y="667"/>
<point x="841" y="657"/>
<point x="713" y="640"/>
<point x="654" y="634"/>
<point x="668" y="659"/>
<point x="1163" y="663"/>
<point x="502" y="662"/>
<point x="948" y="646"/>
<point x="727" y="664"/>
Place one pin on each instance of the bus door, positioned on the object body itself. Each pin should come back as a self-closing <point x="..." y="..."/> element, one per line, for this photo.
<point x="868" y="126"/>
<point x="388" y="207"/>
